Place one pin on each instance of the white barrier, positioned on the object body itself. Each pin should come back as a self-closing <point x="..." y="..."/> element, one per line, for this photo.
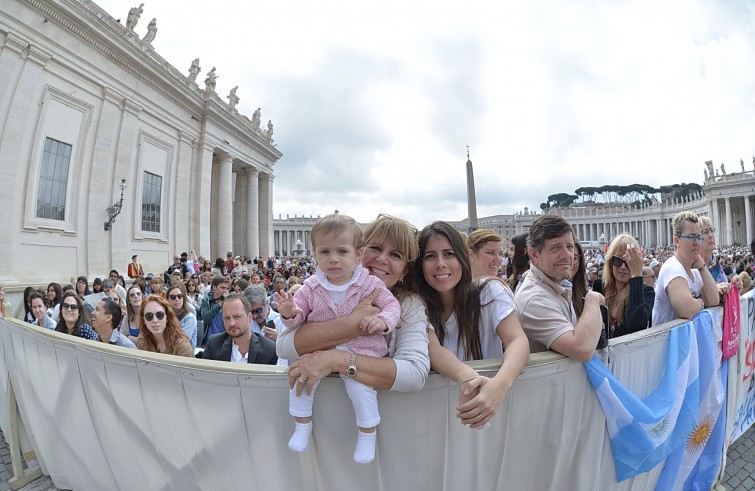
<point x="103" y="417"/>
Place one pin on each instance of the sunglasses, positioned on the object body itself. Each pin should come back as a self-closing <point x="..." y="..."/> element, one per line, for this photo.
<point x="149" y="316"/>
<point x="69" y="306"/>
<point x="709" y="230"/>
<point x="258" y="310"/>
<point x="177" y="296"/>
<point x="617" y="261"/>
<point x="135" y="294"/>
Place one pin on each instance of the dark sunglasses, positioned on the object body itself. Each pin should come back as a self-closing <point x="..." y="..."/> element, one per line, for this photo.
<point x="69" y="306"/>
<point x="177" y="296"/>
<point x="149" y="316"/>
<point x="617" y="261"/>
<point x="135" y="294"/>
<point x="258" y="310"/>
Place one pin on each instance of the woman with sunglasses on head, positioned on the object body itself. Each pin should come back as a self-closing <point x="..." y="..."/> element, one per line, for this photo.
<point x="74" y="320"/>
<point x="629" y="302"/>
<point x="684" y="286"/>
<point x="159" y="331"/>
<point x="178" y="299"/>
<point x="130" y="322"/>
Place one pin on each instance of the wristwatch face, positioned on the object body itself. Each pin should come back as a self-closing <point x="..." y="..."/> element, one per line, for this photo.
<point x="351" y="371"/>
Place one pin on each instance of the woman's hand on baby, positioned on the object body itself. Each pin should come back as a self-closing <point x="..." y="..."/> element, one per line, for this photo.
<point x="311" y="367"/>
<point x="373" y="324"/>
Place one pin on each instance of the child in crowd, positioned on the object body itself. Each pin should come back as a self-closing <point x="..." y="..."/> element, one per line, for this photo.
<point x="339" y="284"/>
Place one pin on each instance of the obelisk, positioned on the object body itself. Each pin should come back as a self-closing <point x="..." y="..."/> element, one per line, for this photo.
<point x="471" y="200"/>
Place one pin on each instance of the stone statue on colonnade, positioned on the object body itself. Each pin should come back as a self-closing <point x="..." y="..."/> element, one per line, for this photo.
<point x="257" y="116"/>
<point x="194" y="70"/>
<point x="723" y="169"/>
<point x="151" y="31"/>
<point x="209" y="82"/>
<point x="233" y="99"/>
<point x="269" y="132"/>
<point x="706" y="175"/>
<point x="133" y="16"/>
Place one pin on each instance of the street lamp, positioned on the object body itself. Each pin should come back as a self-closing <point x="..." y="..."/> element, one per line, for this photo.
<point x="115" y="210"/>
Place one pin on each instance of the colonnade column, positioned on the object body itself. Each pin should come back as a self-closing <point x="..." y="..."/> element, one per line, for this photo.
<point x="716" y="220"/>
<point x="225" y="205"/>
<point x="266" y="214"/>
<point x="252" y="212"/>
<point x="748" y="222"/>
<point x="729" y="228"/>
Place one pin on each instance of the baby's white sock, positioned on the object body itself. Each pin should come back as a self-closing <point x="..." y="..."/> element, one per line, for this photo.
<point x="300" y="439"/>
<point x="365" y="451"/>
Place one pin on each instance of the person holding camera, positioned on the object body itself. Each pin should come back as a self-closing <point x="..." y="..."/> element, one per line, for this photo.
<point x="212" y="307"/>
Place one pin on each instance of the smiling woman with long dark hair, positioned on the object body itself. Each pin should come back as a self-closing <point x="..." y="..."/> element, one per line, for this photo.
<point x="74" y="319"/>
<point x="470" y="321"/>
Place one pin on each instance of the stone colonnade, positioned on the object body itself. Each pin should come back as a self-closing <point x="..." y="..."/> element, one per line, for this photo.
<point x="242" y="197"/>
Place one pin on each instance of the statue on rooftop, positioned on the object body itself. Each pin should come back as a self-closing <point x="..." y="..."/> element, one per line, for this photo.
<point x="269" y="132"/>
<point x="706" y="175"/>
<point x="151" y="31"/>
<point x="194" y="70"/>
<point x="723" y="169"/>
<point x="257" y="116"/>
<point x="209" y="82"/>
<point x="742" y="165"/>
<point x="133" y="16"/>
<point x="233" y="99"/>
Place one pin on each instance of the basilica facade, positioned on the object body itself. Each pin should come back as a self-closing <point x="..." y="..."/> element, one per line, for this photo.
<point x="90" y="113"/>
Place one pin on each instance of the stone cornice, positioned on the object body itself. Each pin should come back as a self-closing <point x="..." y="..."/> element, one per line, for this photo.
<point x="100" y="31"/>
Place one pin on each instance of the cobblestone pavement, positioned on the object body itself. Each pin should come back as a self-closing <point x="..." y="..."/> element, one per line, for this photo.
<point x="739" y="475"/>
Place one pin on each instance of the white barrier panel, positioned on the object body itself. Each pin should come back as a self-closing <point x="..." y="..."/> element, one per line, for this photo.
<point x="103" y="417"/>
<point x="741" y="388"/>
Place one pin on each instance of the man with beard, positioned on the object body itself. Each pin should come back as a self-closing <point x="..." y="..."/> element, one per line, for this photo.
<point x="238" y="343"/>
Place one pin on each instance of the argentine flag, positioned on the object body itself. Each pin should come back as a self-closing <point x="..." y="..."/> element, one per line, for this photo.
<point x="644" y="432"/>
<point x="694" y="465"/>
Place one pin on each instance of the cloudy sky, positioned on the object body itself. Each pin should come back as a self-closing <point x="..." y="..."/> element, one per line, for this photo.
<point x="374" y="102"/>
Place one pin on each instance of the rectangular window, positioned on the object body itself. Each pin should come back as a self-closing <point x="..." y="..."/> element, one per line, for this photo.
<point x="151" y="198"/>
<point x="53" y="180"/>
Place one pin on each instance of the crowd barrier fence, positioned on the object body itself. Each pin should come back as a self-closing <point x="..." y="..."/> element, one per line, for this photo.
<point x="103" y="417"/>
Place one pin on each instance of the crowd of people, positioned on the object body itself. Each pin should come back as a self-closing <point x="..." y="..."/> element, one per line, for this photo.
<point x="384" y="305"/>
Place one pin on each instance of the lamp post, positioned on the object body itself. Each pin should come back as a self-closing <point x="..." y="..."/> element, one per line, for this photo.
<point x="115" y="210"/>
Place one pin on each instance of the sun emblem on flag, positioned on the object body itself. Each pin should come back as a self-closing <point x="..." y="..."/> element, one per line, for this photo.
<point x="661" y="428"/>
<point x="700" y="435"/>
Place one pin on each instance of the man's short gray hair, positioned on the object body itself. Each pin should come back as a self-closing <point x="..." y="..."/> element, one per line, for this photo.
<point x="107" y="284"/>
<point x="256" y="294"/>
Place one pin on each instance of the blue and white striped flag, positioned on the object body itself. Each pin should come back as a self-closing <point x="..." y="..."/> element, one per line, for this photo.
<point x="694" y="465"/>
<point x="644" y="432"/>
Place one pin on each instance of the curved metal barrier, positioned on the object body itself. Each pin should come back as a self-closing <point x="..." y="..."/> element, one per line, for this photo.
<point x="103" y="417"/>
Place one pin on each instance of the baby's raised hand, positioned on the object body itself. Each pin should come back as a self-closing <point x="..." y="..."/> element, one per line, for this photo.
<point x="285" y="304"/>
<point x="373" y="324"/>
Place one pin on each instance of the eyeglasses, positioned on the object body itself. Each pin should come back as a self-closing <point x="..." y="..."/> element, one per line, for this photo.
<point x="135" y="294"/>
<point x="177" y="296"/>
<point x="69" y="306"/>
<point x="617" y="261"/>
<point x="149" y="316"/>
<point x="258" y="310"/>
<point x="692" y="237"/>
<point x="709" y="230"/>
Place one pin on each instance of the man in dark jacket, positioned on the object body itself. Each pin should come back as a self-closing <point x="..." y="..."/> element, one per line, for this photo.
<point x="238" y="343"/>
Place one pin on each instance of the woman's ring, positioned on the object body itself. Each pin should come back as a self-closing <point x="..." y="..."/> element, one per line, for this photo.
<point x="303" y="380"/>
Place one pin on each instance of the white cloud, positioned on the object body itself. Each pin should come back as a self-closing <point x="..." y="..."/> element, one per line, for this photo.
<point x="373" y="103"/>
